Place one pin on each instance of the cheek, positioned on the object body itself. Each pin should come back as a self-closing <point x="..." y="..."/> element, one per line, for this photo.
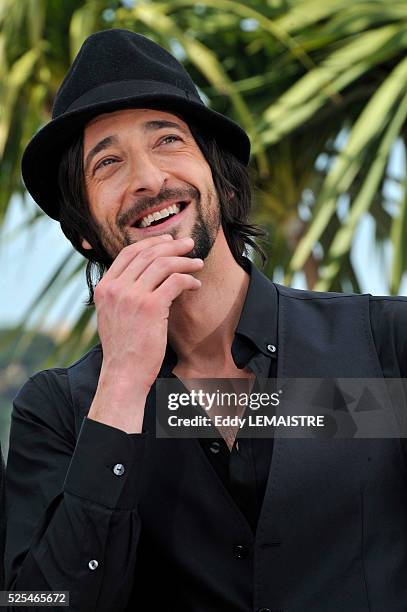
<point x="104" y="198"/>
<point x="191" y="170"/>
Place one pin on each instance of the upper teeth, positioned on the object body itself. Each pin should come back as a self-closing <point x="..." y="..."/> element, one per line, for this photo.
<point x="160" y="214"/>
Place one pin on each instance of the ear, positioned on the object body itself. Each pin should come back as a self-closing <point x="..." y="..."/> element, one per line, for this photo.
<point x="86" y="245"/>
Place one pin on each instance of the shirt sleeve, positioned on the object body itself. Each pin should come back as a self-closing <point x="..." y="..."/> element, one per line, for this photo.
<point x="72" y="504"/>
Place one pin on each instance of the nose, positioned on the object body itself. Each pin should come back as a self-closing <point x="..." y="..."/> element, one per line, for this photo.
<point x="146" y="177"/>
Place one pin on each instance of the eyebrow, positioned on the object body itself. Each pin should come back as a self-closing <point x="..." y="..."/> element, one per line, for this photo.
<point x="158" y="124"/>
<point x="100" y="146"/>
<point x="149" y="126"/>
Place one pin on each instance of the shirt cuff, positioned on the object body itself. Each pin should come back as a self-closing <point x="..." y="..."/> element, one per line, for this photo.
<point x="105" y="467"/>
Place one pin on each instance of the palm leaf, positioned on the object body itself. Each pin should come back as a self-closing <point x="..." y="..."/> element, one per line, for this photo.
<point x="337" y="71"/>
<point x="343" y="239"/>
<point x="399" y="240"/>
<point x="369" y="125"/>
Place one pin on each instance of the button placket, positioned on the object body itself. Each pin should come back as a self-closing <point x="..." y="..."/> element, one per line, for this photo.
<point x="119" y="469"/>
<point x="214" y="447"/>
<point x="93" y="564"/>
<point x="240" y="551"/>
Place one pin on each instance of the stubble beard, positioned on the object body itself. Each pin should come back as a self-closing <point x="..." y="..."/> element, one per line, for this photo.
<point x="204" y="230"/>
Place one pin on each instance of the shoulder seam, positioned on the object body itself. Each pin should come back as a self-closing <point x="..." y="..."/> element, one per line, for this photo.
<point x="389" y="298"/>
<point x="34" y="376"/>
<point x="323" y="297"/>
<point x="92" y="350"/>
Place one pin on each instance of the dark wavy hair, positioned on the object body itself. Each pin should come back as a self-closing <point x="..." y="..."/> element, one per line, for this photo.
<point x="229" y="176"/>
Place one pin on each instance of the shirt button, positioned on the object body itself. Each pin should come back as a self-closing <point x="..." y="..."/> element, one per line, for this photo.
<point x="240" y="551"/>
<point x="93" y="564"/>
<point x="271" y="348"/>
<point x="118" y="469"/>
<point x="214" y="448"/>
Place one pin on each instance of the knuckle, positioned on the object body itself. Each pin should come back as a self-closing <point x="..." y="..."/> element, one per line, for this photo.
<point x="145" y="306"/>
<point x="177" y="278"/>
<point x="106" y="291"/>
<point x="162" y="263"/>
<point x="130" y="250"/>
<point x="129" y="247"/>
<point x="99" y="291"/>
<point x="139" y="249"/>
<point x="127" y="300"/>
<point x="146" y="254"/>
<point x="111" y="290"/>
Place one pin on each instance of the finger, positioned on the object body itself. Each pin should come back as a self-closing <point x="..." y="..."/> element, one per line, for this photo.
<point x="128" y="253"/>
<point x="174" y="285"/>
<point x="162" y="267"/>
<point x="145" y="258"/>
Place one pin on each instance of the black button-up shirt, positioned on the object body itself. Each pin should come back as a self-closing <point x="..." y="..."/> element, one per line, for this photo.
<point x="64" y="490"/>
<point x="244" y="469"/>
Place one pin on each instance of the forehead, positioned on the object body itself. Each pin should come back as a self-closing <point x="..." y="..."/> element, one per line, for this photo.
<point x="123" y="120"/>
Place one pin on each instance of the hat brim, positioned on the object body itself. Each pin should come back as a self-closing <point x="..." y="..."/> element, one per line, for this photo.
<point x="41" y="159"/>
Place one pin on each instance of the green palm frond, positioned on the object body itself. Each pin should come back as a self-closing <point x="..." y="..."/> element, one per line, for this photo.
<point x="399" y="239"/>
<point x="369" y="125"/>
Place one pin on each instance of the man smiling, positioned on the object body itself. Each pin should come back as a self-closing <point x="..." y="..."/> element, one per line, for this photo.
<point x="151" y="186"/>
<point x="137" y="164"/>
<point x="113" y="164"/>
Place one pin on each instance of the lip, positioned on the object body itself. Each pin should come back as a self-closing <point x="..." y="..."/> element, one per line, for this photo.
<point x="169" y="221"/>
<point x="156" y="209"/>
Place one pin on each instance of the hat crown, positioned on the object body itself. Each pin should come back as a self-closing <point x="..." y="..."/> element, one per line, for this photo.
<point x="117" y="69"/>
<point x="119" y="55"/>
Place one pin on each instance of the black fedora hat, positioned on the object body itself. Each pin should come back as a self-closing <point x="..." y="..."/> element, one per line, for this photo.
<point x="117" y="69"/>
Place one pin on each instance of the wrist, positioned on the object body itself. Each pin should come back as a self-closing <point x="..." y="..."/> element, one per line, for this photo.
<point x="119" y="402"/>
<point x="124" y="383"/>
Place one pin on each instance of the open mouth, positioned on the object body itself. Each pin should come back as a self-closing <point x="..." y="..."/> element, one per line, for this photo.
<point x="160" y="216"/>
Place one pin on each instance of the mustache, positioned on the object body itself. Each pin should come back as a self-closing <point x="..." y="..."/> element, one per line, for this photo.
<point x="145" y="203"/>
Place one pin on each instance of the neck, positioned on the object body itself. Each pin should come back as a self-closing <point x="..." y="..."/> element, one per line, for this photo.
<point x="202" y="323"/>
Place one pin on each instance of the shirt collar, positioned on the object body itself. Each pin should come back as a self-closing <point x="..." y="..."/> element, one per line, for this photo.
<point x="259" y="317"/>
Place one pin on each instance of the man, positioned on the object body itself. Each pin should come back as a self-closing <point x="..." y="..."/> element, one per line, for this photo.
<point x="101" y="507"/>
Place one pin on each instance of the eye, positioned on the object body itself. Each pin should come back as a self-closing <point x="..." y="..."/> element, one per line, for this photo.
<point x="104" y="162"/>
<point x="169" y="139"/>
